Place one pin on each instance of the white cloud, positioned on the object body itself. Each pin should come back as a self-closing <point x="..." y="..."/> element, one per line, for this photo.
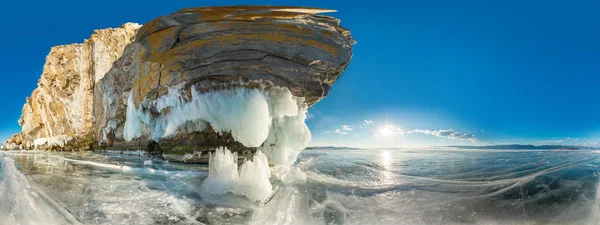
<point x="344" y="129"/>
<point x="340" y="131"/>
<point x="366" y="123"/>
<point x="449" y="134"/>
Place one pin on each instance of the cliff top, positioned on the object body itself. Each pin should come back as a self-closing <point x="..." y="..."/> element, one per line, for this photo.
<point x="246" y="8"/>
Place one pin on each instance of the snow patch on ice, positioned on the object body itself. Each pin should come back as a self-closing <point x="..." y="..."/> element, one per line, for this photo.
<point x="250" y="180"/>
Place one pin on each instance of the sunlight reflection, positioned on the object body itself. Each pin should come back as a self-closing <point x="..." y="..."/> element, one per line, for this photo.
<point x="386" y="160"/>
<point x="595" y="215"/>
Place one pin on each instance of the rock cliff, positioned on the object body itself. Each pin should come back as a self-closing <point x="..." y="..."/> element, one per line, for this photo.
<point x="59" y="113"/>
<point x="171" y="86"/>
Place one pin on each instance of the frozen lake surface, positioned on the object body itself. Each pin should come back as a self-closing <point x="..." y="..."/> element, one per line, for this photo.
<point x="377" y="186"/>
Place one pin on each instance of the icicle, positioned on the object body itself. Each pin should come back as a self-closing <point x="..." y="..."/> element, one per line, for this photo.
<point x="272" y="120"/>
<point x="251" y="180"/>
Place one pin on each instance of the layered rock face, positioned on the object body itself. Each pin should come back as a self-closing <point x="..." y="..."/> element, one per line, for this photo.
<point x="195" y="80"/>
<point x="59" y="112"/>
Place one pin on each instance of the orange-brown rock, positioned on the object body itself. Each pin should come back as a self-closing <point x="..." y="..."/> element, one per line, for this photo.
<point x="289" y="46"/>
<point x="58" y="114"/>
<point x="221" y="47"/>
<point x="83" y="93"/>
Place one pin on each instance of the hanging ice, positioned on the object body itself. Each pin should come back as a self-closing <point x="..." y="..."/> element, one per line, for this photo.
<point x="60" y="140"/>
<point x="272" y="120"/>
<point x="251" y="180"/>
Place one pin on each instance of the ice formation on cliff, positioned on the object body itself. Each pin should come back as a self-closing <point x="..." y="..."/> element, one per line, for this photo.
<point x="272" y="120"/>
<point x="60" y="140"/>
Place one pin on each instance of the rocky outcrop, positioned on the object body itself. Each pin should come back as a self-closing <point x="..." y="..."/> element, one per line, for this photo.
<point x="149" y="97"/>
<point x="219" y="48"/>
<point x="15" y="142"/>
<point x="59" y="113"/>
<point x="290" y="47"/>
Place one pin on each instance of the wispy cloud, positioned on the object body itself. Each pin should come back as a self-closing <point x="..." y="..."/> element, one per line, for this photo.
<point x="366" y="123"/>
<point x="344" y="129"/>
<point x="448" y="134"/>
<point x="339" y="131"/>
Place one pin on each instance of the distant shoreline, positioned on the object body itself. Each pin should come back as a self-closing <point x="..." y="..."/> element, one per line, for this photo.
<point x="528" y="147"/>
<point x="333" y="148"/>
<point x="492" y="147"/>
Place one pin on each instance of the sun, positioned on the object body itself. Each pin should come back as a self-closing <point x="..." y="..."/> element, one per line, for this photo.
<point x="385" y="131"/>
<point x="388" y="131"/>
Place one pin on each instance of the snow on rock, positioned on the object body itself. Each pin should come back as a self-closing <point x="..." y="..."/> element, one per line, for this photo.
<point x="15" y="142"/>
<point x="59" y="141"/>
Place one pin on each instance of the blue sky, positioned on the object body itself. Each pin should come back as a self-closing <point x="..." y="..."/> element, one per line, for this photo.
<point x="424" y="72"/>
